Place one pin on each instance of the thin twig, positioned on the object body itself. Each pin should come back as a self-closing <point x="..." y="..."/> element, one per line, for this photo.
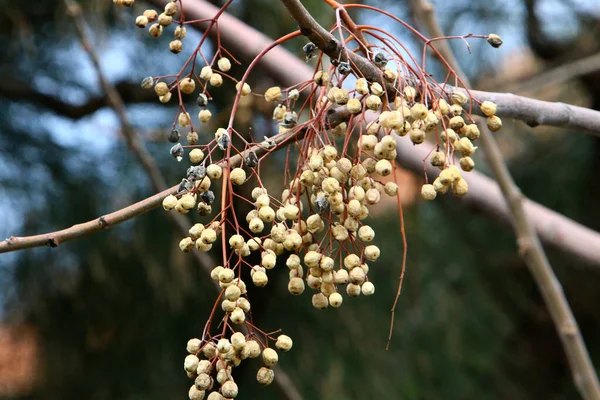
<point x="528" y="242"/>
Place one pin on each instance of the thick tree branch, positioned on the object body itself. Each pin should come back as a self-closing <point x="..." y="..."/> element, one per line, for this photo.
<point x="20" y="91"/>
<point x="537" y="112"/>
<point x="528" y="242"/>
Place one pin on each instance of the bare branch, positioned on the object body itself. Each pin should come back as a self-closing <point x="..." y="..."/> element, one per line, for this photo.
<point x="538" y="112"/>
<point x="528" y="242"/>
<point x="53" y="239"/>
<point x="20" y="91"/>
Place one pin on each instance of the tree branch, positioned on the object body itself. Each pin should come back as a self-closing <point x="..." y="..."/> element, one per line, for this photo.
<point x="528" y="242"/>
<point x="20" y="91"/>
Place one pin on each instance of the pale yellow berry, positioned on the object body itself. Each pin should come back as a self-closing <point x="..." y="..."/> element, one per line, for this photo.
<point x="312" y="259"/>
<point x="357" y="275"/>
<point x="155" y="30"/>
<point x="195" y="231"/>
<point x="456" y="109"/>
<point x="373" y="128"/>
<point x="448" y="135"/>
<point x="457" y="122"/>
<point x="224" y="64"/>
<point x="341" y="96"/>
<point x="351" y="261"/>
<point x="472" y="132"/>
<point x="366" y="233"/>
<point x="494" y="40"/>
<point x="376" y="89"/>
<point x="319" y="300"/>
<point x="279" y="112"/>
<point x="232" y="293"/>
<point x="391" y="188"/>
<point x="296" y="286"/>
<point x="164" y="19"/>
<point x="187" y="201"/>
<point x="245" y="88"/>
<point x="251" y="350"/>
<point x="260" y="279"/>
<point x="165" y="98"/>
<point x="354" y="106"/>
<point x="321" y="78"/>
<point x="488" y="108"/>
<point x="373" y="196"/>
<point x="186" y="244"/>
<point x="419" y="111"/>
<point x="341" y="277"/>
<point x="236" y="241"/>
<point x="204" y="115"/>
<point x="226" y="275"/>
<point x="273" y="94"/>
<point x="428" y="192"/>
<point x="460" y="187"/>
<point x="184" y="119"/>
<point x="383" y="167"/>
<point x="372" y="253"/>
<point x="187" y="85"/>
<point x="238" y="176"/>
<point x="238" y="316"/>
<point x="152" y="15"/>
<point x="437" y="159"/>
<point x="265" y="376"/>
<point x="373" y="102"/>
<point x="353" y="290"/>
<point x="193" y="346"/>
<point x="270" y="357"/>
<point x="284" y="342"/>
<point x="335" y="299"/>
<point x="216" y="80"/>
<point x="206" y="72"/>
<point x="417" y="136"/>
<point x="390" y="75"/>
<point x="196" y="156"/>
<point x="203" y="381"/>
<point x="228" y="305"/>
<point x="171" y="8"/>
<point x="330" y="185"/>
<point x="494" y="123"/>
<point x="161" y="88"/>
<point x="465" y="146"/>
<point x="175" y="46"/>
<point x="190" y="363"/>
<point x="268" y="260"/>
<point x="229" y="389"/>
<point x="195" y="394"/>
<point x="169" y="202"/>
<point x="410" y="93"/>
<point x="459" y="97"/>
<point x="180" y="32"/>
<point x="362" y="86"/>
<point x="367" y="288"/>
<point x="213" y="171"/>
<point x="209" y="350"/>
<point x="467" y="164"/>
<point x="223" y="346"/>
<point x="141" y="21"/>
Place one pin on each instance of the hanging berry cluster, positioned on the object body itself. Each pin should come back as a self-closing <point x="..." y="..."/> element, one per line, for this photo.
<point x="341" y="131"/>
